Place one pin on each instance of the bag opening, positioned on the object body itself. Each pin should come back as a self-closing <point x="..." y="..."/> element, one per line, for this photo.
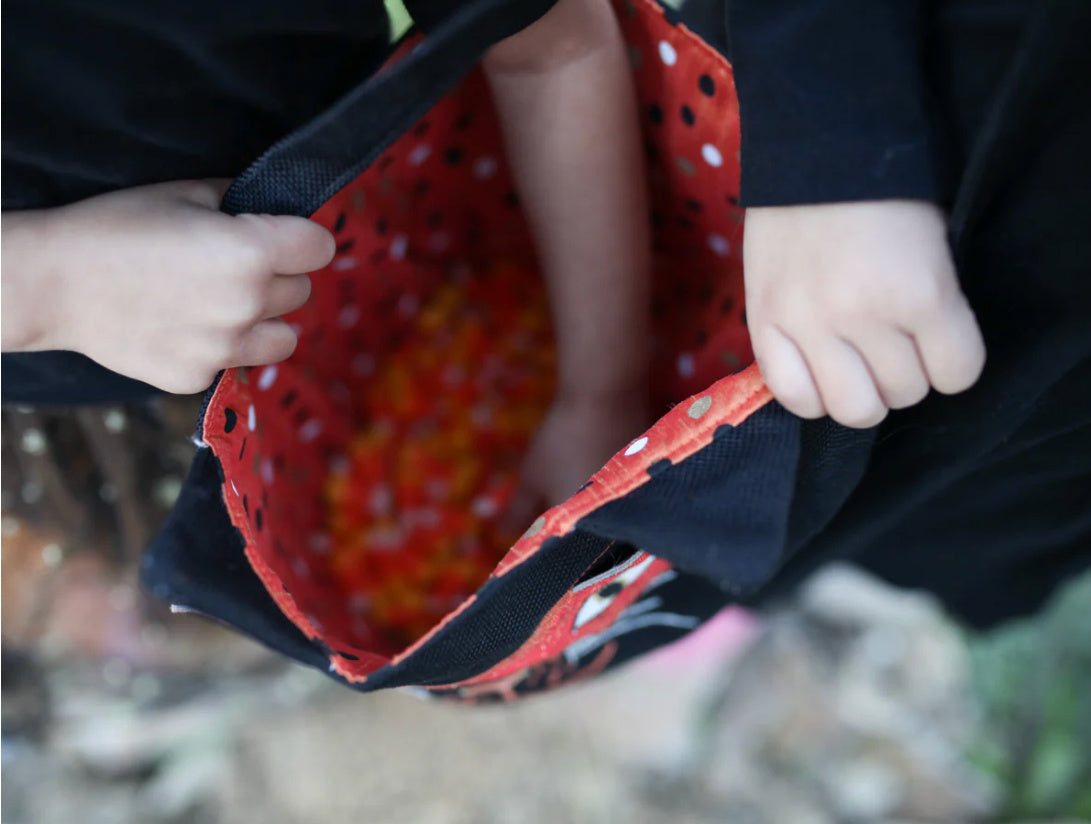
<point x="365" y="472"/>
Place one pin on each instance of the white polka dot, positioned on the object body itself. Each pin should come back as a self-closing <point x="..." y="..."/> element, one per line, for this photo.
<point x="536" y="527"/>
<point x="699" y="407"/>
<point x="398" y="247"/>
<point x="251" y="418"/>
<point x="485" y="507"/>
<point x="711" y="155"/>
<point x="267" y="471"/>
<point x="234" y="489"/>
<point x="419" y="154"/>
<point x="636" y="446"/>
<point x="343" y="264"/>
<point x="408" y="305"/>
<point x="382" y="500"/>
<point x="318" y="542"/>
<point x="348" y="316"/>
<point x="363" y="364"/>
<point x="485" y="168"/>
<point x="667" y="53"/>
<point x="300" y="568"/>
<point x="686" y="365"/>
<point x="310" y="430"/>
<point x="267" y="377"/>
<point x="719" y="245"/>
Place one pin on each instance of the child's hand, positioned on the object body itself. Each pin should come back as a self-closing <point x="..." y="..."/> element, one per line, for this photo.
<point x="157" y="284"/>
<point x="578" y="436"/>
<point x="855" y="309"/>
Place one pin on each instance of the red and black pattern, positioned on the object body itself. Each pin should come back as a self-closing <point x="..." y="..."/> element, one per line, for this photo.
<point x="437" y="208"/>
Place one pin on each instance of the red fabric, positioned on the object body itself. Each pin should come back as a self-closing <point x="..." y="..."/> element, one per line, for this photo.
<point x="439" y="206"/>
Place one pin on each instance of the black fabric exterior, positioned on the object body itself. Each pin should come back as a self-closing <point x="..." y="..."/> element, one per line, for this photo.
<point x="982" y="498"/>
<point x="64" y="378"/>
<point x="198" y="562"/>
<point x="505" y="614"/>
<point x="721" y="513"/>
<point x="684" y="596"/>
<point x="878" y="138"/>
<point x="735" y="512"/>
<point x="299" y="174"/>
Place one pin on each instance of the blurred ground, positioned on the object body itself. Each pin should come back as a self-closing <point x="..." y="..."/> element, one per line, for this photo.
<point x="854" y="703"/>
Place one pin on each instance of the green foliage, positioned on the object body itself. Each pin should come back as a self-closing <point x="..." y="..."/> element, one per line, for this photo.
<point x="400" y="21"/>
<point x="1033" y="683"/>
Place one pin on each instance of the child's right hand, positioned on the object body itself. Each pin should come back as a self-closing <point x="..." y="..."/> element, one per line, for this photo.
<point x="157" y="284"/>
<point x="855" y="308"/>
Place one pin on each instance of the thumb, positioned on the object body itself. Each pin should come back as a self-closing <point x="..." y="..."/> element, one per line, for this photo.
<point x="295" y="245"/>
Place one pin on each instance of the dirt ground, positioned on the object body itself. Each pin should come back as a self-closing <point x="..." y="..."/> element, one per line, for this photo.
<point x="850" y="705"/>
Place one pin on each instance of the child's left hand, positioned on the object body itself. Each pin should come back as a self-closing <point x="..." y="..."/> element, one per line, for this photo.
<point x="578" y="436"/>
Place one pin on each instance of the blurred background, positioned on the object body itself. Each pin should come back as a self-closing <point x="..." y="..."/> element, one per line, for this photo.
<point x="851" y="703"/>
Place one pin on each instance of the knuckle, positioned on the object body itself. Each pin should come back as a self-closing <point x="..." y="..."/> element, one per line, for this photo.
<point x="244" y="309"/>
<point x="925" y="293"/>
<point x="858" y="414"/>
<point x="254" y="260"/>
<point x="798" y="399"/>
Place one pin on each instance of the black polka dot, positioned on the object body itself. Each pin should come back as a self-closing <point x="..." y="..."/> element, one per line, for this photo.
<point x="694" y="206"/>
<point x="655" y="114"/>
<point x="724" y="430"/>
<point x="733" y="200"/>
<point x="246" y="505"/>
<point x="727" y="305"/>
<point x="230" y="419"/>
<point x="707" y="85"/>
<point x="511" y="200"/>
<point x="339" y="224"/>
<point x="421" y="187"/>
<point x="345" y="247"/>
<point x="464" y="120"/>
<point x="421" y="129"/>
<point x="259" y="519"/>
<point x="661" y="465"/>
<point x="453" y="155"/>
<point x="385" y="162"/>
<point x="242" y="449"/>
<point x="288" y="398"/>
<point x="685" y="222"/>
<point x="688" y="117"/>
<point x="348" y="656"/>
<point x="701" y="338"/>
<point x="435" y="219"/>
<point x="381" y="226"/>
<point x="611" y="589"/>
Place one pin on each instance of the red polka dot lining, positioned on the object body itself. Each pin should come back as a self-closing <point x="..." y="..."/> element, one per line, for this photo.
<point x="438" y="208"/>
